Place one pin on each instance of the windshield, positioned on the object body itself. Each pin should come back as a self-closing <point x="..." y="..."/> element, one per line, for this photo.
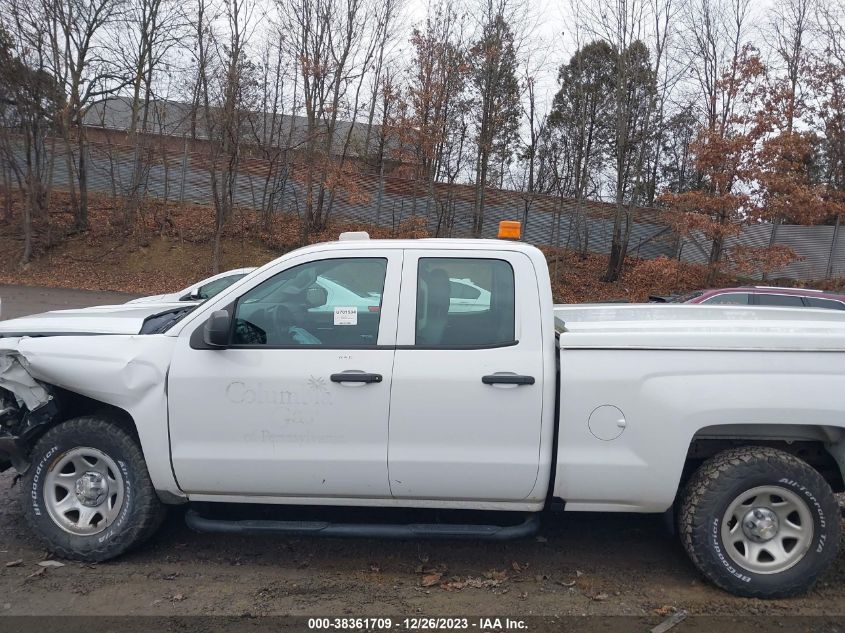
<point x="213" y="288"/>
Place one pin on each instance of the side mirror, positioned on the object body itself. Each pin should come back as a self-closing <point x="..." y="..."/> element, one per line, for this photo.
<point x="217" y="328"/>
<point x="194" y="293"/>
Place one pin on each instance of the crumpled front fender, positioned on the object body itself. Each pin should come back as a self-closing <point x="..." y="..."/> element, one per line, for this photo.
<point x="15" y="378"/>
<point x="125" y="371"/>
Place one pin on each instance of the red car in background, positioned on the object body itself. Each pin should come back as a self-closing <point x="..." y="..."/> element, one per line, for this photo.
<point x="759" y="296"/>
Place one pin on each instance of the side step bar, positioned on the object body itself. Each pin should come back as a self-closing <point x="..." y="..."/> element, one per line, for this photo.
<point x="528" y="527"/>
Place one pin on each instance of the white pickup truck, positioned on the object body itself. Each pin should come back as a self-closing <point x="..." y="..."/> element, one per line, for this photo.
<point x="731" y="419"/>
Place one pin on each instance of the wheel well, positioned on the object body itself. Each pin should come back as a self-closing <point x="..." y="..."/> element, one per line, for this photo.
<point x="812" y="450"/>
<point x="73" y="405"/>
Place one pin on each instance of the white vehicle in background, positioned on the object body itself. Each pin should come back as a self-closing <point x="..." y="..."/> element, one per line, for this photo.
<point x="200" y="291"/>
<point x="466" y="296"/>
<point x="727" y="419"/>
<point x="337" y="294"/>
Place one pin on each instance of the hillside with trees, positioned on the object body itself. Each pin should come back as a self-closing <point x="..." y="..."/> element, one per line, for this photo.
<point x="717" y="114"/>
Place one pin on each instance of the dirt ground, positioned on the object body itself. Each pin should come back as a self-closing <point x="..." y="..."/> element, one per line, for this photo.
<point x="580" y="564"/>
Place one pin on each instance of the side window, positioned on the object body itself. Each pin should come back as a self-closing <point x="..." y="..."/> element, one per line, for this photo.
<point x="327" y="303"/>
<point x="729" y="298"/>
<point x="787" y="301"/>
<point x="464" y="302"/>
<point x="813" y="302"/>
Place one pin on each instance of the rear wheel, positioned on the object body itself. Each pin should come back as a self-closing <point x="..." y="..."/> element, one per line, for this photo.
<point x="88" y="494"/>
<point x="759" y="522"/>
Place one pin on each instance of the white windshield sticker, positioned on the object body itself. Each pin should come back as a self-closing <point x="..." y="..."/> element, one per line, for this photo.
<point x="345" y="316"/>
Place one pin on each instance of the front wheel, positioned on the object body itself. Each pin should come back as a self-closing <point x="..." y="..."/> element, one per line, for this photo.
<point x="759" y="522"/>
<point x="88" y="495"/>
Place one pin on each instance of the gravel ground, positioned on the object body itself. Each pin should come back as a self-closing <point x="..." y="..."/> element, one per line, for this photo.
<point x="581" y="564"/>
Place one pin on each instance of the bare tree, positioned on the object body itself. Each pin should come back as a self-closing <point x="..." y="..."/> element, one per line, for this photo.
<point x="225" y="89"/>
<point x="333" y="43"/>
<point x="77" y="32"/>
<point x="434" y="125"/>
<point x="534" y="173"/>
<point x="154" y="28"/>
<point x="271" y="131"/>
<point x="638" y="31"/>
<point x="29" y="98"/>
<point x="496" y="98"/>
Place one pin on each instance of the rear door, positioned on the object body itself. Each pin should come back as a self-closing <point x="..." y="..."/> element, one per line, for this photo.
<point x="466" y="403"/>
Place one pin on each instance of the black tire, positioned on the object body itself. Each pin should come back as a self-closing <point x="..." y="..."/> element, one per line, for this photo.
<point x="724" y="478"/>
<point x="139" y="513"/>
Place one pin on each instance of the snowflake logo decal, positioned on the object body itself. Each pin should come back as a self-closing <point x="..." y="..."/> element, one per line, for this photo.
<point x="316" y="383"/>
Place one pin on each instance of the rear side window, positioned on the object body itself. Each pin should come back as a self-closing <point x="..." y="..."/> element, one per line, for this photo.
<point x="729" y="298"/>
<point x="786" y="301"/>
<point x="464" y="302"/>
<point x="830" y="304"/>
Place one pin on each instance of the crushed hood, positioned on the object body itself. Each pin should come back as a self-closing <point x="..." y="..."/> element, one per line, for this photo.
<point x="108" y="319"/>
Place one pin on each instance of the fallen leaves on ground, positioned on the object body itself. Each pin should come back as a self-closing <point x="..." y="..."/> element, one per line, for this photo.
<point x="474" y="583"/>
<point x="490" y="579"/>
<point x="429" y="580"/>
<point x="665" y="610"/>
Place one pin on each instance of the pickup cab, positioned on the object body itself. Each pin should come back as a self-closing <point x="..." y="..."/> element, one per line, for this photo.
<point x="729" y="420"/>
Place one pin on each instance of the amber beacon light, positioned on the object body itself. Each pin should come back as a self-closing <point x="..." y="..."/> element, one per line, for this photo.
<point x="510" y="230"/>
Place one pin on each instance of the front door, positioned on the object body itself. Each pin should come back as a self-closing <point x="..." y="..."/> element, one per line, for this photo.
<point x="467" y="404"/>
<point x="297" y="404"/>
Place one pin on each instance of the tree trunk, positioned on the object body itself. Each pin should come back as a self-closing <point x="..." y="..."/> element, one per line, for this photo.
<point x="478" y="211"/>
<point x="81" y="219"/>
<point x="713" y="263"/>
<point x="7" y="196"/>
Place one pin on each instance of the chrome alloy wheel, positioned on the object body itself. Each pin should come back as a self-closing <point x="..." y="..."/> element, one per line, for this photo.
<point x="767" y="530"/>
<point x="83" y="491"/>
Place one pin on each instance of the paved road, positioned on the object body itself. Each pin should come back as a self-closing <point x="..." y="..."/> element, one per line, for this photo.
<point x="16" y="301"/>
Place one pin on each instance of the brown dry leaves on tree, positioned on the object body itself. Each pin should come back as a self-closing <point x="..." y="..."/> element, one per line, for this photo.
<point x="724" y="153"/>
<point x="757" y="167"/>
<point x="578" y="278"/>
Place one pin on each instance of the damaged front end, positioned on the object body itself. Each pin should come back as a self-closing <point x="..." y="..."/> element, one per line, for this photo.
<point x="26" y="406"/>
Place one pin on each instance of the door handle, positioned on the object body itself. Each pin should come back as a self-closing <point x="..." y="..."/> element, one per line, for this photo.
<point x="507" y="379"/>
<point x="355" y="376"/>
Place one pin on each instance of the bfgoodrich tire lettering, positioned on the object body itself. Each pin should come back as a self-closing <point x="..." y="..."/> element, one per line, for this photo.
<point x="759" y="477"/>
<point x="137" y="510"/>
